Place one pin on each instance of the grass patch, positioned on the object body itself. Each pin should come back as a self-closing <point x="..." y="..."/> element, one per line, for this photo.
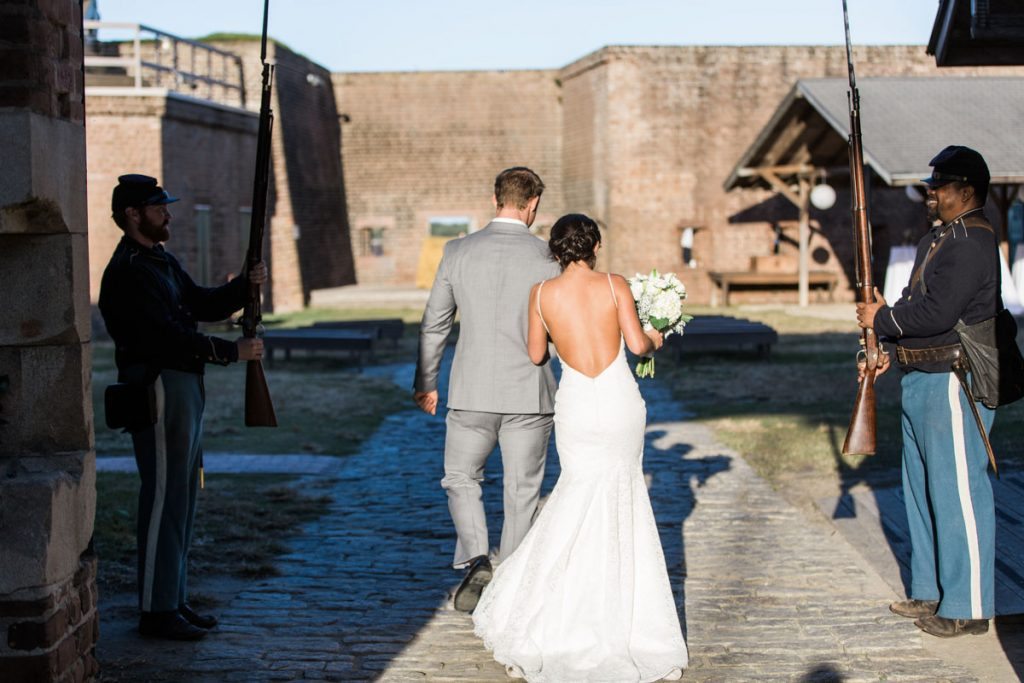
<point x="322" y="405"/>
<point x="308" y="316"/>
<point x="788" y="414"/>
<point x="239" y="525"/>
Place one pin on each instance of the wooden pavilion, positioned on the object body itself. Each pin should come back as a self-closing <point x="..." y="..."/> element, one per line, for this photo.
<point x="905" y="122"/>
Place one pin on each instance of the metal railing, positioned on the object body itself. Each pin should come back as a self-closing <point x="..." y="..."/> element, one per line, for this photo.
<point x="163" y="60"/>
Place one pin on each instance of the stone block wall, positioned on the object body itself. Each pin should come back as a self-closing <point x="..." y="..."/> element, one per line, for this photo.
<point x="422" y="145"/>
<point x="48" y="615"/>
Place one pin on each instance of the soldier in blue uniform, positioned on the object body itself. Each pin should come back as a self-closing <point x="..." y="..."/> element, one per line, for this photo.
<point x="945" y="481"/>
<point x="151" y="308"/>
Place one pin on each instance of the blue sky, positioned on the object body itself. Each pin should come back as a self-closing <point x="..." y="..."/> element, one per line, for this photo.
<point x="403" y="35"/>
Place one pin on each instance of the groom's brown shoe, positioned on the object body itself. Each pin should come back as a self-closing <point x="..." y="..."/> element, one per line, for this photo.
<point x="950" y="628"/>
<point x="473" y="584"/>
<point x="914" y="609"/>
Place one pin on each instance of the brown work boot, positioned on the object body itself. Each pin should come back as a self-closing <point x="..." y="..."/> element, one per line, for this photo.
<point x="914" y="608"/>
<point x="950" y="628"/>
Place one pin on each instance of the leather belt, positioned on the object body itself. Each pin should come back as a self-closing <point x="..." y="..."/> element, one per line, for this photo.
<point x="935" y="354"/>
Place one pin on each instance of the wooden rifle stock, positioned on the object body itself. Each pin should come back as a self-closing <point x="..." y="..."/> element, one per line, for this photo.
<point x="259" y="408"/>
<point x="861" y="435"/>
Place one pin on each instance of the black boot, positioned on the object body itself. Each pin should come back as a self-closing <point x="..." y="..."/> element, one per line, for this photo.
<point x="169" y="626"/>
<point x="206" y="621"/>
<point x="951" y="628"/>
<point x="473" y="584"/>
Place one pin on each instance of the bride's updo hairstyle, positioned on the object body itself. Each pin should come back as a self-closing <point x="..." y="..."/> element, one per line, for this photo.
<point x="573" y="238"/>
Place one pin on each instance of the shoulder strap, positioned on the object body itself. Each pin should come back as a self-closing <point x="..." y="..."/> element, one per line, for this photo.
<point x="919" y="272"/>
<point x="977" y="221"/>
<point x="615" y="299"/>
<point x="539" y="289"/>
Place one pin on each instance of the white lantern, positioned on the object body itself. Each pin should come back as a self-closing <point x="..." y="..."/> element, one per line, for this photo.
<point x="823" y="197"/>
<point x="915" y="194"/>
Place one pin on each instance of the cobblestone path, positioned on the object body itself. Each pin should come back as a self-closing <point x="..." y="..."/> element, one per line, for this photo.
<point x="769" y="594"/>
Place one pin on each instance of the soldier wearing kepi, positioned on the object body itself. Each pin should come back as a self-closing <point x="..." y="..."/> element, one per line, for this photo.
<point x="945" y="483"/>
<point x="151" y="307"/>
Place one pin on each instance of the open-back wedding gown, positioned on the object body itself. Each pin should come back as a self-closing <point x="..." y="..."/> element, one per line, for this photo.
<point x="586" y="596"/>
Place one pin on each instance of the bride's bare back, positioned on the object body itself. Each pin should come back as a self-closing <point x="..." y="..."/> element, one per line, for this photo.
<point x="587" y="313"/>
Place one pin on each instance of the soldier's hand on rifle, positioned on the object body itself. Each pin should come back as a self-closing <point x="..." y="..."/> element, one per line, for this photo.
<point x="426" y="400"/>
<point x="258" y="273"/>
<point x="866" y="312"/>
<point x="250" y="348"/>
<point x="883" y="366"/>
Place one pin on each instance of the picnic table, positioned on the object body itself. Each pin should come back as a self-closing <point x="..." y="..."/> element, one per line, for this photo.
<point x="390" y="329"/>
<point x="720" y="333"/>
<point x="727" y="281"/>
<point x="357" y="343"/>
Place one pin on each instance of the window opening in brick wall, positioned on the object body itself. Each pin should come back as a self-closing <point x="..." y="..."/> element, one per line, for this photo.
<point x="1015" y="236"/>
<point x="244" y="224"/>
<point x="371" y="241"/>
<point x="450" y="226"/>
<point x="201" y="214"/>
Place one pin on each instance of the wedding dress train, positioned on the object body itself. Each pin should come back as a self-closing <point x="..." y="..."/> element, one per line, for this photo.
<point x="586" y="596"/>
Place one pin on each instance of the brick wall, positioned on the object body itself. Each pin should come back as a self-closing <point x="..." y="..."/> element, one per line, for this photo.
<point x="427" y="144"/>
<point x="309" y="221"/>
<point x="665" y="126"/>
<point x="53" y="638"/>
<point x="41" y="58"/>
<point x="202" y="153"/>
<point x="640" y="138"/>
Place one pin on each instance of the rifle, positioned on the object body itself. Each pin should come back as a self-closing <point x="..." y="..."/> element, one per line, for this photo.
<point x="861" y="436"/>
<point x="259" y="408"/>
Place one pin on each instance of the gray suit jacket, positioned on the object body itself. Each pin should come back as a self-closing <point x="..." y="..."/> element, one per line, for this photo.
<point x="487" y="277"/>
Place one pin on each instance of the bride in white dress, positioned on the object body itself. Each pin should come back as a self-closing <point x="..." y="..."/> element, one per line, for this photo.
<point x="586" y="596"/>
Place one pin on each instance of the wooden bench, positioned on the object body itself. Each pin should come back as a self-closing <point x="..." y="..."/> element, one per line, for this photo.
<point x="354" y="342"/>
<point x="721" y="333"/>
<point x="390" y="329"/>
<point x="726" y="281"/>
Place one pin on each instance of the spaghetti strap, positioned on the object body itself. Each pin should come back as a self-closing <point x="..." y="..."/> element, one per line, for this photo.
<point x="615" y="299"/>
<point x="539" y="289"/>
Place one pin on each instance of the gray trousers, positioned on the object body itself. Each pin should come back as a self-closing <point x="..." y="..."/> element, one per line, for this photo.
<point x="470" y="439"/>
<point x="168" y="455"/>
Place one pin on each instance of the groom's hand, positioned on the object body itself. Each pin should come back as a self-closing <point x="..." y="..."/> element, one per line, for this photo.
<point x="426" y="400"/>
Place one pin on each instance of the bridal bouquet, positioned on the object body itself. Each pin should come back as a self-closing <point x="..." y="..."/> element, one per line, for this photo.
<point x="659" y="303"/>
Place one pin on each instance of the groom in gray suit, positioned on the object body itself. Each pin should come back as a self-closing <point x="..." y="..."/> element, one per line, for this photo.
<point x="496" y="395"/>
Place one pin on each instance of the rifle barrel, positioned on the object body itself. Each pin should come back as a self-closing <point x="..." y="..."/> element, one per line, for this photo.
<point x="862" y="432"/>
<point x="259" y="408"/>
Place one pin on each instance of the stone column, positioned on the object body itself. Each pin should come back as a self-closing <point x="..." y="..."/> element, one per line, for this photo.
<point x="48" y="615"/>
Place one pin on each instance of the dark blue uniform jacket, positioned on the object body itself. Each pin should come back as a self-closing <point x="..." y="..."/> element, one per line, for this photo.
<point x="960" y="282"/>
<point x="152" y="308"/>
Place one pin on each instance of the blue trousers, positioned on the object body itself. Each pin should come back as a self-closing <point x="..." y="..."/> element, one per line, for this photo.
<point x="168" y="456"/>
<point x="948" y="497"/>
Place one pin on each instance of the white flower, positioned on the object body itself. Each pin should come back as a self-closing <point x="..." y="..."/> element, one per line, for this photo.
<point x="636" y="286"/>
<point x="667" y="306"/>
<point x="659" y="296"/>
